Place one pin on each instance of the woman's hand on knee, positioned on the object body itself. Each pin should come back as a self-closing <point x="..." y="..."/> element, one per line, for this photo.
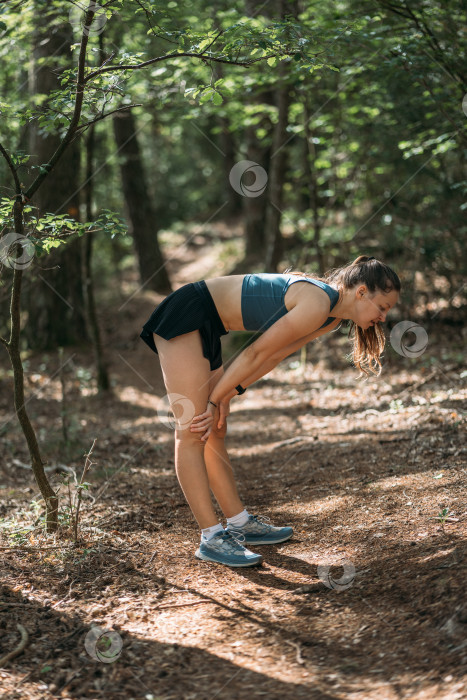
<point x="204" y="422"/>
<point x="219" y="426"/>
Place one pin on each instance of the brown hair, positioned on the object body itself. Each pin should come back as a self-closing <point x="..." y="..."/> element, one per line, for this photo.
<point x="368" y="344"/>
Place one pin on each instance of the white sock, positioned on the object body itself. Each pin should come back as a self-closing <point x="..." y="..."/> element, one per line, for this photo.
<point x="239" y="519"/>
<point x="209" y="532"/>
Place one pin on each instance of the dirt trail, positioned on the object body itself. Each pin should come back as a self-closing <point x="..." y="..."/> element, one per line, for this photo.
<point x="366" y="601"/>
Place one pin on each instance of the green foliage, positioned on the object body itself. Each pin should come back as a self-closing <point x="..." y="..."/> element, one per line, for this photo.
<point x="376" y="129"/>
<point x="53" y="230"/>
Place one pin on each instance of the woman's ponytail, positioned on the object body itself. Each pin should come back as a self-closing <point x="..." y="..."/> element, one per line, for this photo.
<point x="363" y="259"/>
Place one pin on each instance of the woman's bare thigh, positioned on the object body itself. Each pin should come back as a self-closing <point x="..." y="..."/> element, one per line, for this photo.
<point x="186" y="373"/>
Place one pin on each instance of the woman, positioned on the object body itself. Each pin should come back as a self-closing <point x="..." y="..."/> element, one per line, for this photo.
<point x="290" y="310"/>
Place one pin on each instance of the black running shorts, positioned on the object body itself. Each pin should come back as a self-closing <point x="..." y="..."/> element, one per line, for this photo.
<point x="190" y="308"/>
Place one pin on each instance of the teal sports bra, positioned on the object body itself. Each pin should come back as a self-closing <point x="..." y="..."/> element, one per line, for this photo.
<point x="263" y="298"/>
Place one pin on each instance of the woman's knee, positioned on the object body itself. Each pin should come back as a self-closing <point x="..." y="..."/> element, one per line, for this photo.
<point x="188" y="438"/>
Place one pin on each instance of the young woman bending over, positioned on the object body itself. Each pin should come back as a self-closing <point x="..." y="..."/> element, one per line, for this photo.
<point x="290" y="310"/>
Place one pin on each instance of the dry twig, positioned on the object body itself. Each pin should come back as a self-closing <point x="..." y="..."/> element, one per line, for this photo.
<point x="18" y="649"/>
<point x="299" y="658"/>
<point x="87" y="467"/>
<point x="181" y="605"/>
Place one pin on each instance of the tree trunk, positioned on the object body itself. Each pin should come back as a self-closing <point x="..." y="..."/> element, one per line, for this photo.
<point x="103" y="382"/>
<point x="258" y="152"/>
<point x="139" y="208"/>
<point x="255" y="207"/>
<point x="48" y="494"/>
<point x="229" y="154"/>
<point x="275" y="244"/>
<point x="54" y="296"/>
<point x="309" y="158"/>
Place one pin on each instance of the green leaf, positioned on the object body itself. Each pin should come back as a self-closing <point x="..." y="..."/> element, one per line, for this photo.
<point x="272" y="61"/>
<point x="203" y="44"/>
<point x="217" y="98"/>
<point x="206" y="96"/>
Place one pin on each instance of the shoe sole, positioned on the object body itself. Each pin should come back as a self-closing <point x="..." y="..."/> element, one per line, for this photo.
<point x="284" y="539"/>
<point x="204" y="557"/>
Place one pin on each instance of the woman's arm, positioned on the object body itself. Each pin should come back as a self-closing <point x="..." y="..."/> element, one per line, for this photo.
<point x="200" y="423"/>
<point x="282" y="337"/>
<point x="289" y="350"/>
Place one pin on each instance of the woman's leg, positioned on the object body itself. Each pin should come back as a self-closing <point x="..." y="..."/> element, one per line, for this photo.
<point x="220" y="473"/>
<point x="187" y="373"/>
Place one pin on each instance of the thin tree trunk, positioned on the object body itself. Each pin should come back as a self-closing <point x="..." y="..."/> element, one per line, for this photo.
<point x="309" y="158"/>
<point x="275" y="243"/>
<point x="13" y="344"/>
<point x="229" y="151"/>
<point x="103" y="382"/>
<point x="49" y="495"/>
<point x="257" y="152"/>
<point x="139" y="208"/>
<point x="227" y="144"/>
<point x="54" y="297"/>
<point x="255" y="207"/>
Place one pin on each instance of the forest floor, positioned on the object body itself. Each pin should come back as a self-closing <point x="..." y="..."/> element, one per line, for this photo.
<point x="367" y="600"/>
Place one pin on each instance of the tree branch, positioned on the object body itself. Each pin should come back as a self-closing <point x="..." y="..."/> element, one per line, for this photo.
<point x="107" y="114"/>
<point x="109" y="58"/>
<point x="432" y="41"/>
<point x="396" y="9"/>
<point x="221" y="31"/>
<point x="189" y="54"/>
<point x="12" y="168"/>
<point x="74" y="129"/>
<point x="426" y="31"/>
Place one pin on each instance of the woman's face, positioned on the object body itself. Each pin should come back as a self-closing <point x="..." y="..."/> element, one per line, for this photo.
<point x="373" y="308"/>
